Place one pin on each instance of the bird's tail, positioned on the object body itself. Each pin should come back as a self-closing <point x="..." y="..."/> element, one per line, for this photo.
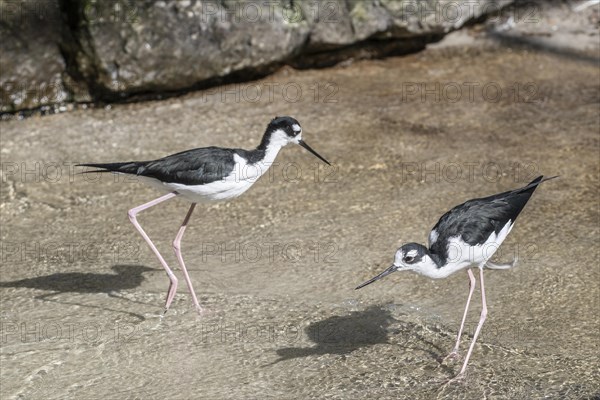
<point x="123" y="167"/>
<point x="517" y="198"/>
<point x="535" y="183"/>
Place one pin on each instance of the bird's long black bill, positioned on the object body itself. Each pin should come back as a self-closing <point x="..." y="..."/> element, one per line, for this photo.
<point x="307" y="147"/>
<point x="381" y="275"/>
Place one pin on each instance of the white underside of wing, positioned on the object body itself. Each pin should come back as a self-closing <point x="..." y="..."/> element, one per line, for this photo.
<point x="433" y="237"/>
<point x="214" y="191"/>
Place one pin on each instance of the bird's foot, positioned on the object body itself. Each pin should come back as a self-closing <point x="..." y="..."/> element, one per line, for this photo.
<point x="458" y="379"/>
<point x="202" y="312"/>
<point x="453" y="356"/>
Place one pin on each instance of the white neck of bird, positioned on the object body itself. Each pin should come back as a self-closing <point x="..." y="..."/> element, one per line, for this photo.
<point x="427" y="267"/>
<point x="251" y="172"/>
<point x="277" y="140"/>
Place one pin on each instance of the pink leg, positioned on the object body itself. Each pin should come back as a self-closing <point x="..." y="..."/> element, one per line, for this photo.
<point x="479" y="325"/>
<point x="454" y="352"/>
<point x="133" y="218"/>
<point x="177" y="248"/>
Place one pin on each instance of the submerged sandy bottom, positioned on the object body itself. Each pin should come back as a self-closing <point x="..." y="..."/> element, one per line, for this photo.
<point x="82" y="295"/>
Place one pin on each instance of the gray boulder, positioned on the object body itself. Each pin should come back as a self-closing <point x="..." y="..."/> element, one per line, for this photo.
<point x="116" y="49"/>
<point x="32" y="69"/>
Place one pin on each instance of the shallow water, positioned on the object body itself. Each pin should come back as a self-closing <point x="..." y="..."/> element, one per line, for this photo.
<point x="277" y="267"/>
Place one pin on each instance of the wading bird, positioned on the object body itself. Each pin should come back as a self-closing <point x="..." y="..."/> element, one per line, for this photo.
<point x="203" y="175"/>
<point x="466" y="236"/>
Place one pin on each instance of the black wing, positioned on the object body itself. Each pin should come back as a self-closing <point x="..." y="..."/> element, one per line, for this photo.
<point x="190" y="167"/>
<point x="475" y="220"/>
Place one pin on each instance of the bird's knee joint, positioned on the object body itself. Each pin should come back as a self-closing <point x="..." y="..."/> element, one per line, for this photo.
<point x="131" y="215"/>
<point x="176" y="245"/>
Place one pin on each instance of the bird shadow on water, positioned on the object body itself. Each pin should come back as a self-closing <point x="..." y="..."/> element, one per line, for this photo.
<point x="126" y="277"/>
<point x="343" y="334"/>
<point x="340" y="335"/>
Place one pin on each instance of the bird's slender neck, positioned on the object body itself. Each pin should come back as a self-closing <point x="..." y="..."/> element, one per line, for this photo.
<point x="436" y="258"/>
<point x="266" y="152"/>
<point x="265" y="141"/>
<point x="271" y="143"/>
<point x="272" y="139"/>
<point x="430" y="258"/>
<point x="430" y="266"/>
<point x="435" y="266"/>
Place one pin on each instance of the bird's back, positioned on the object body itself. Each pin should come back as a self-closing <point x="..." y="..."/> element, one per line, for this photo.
<point x="475" y="220"/>
<point x="191" y="167"/>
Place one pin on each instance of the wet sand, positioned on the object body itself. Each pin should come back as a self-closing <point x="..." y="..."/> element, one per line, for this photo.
<point x="82" y="295"/>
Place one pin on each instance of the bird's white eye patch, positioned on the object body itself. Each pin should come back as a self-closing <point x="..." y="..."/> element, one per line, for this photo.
<point x="296" y="128"/>
<point x="410" y="256"/>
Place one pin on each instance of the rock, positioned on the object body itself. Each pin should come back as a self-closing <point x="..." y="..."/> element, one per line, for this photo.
<point x="165" y="46"/>
<point x="122" y="48"/>
<point x="31" y="65"/>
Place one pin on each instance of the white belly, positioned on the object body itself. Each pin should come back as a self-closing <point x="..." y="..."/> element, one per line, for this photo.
<point x="214" y="191"/>
<point x="241" y="178"/>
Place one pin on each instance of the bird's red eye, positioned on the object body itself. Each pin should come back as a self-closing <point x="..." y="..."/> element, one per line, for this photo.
<point x="409" y="259"/>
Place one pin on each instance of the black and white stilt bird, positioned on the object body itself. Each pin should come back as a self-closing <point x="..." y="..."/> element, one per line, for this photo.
<point x="203" y="175"/>
<point x="466" y="236"/>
